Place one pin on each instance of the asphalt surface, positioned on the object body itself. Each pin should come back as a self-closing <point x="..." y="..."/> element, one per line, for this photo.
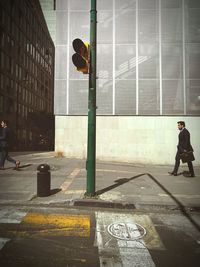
<point x="118" y="184"/>
<point x="88" y="237"/>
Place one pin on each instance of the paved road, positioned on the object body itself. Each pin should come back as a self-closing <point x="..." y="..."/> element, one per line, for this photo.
<point x="60" y="237"/>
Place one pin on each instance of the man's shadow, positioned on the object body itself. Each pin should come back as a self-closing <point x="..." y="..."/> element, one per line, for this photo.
<point x="19" y="168"/>
<point x="122" y="181"/>
<point x="186" y="174"/>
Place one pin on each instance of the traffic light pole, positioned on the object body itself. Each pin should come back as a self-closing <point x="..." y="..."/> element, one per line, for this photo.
<point x="91" y="144"/>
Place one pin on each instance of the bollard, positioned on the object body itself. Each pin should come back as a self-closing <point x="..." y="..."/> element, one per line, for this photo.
<point x="43" y="180"/>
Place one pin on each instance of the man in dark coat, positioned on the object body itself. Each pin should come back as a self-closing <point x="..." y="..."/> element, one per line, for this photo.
<point x="4" y="146"/>
<point x="184" y="145"/>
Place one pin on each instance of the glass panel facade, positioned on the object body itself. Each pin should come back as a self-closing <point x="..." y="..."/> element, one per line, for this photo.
<point x="148" y="57"/>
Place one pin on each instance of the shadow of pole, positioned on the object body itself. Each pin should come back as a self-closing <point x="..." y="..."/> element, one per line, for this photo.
<point x="117" y="183"/>
<point x="180" y="205"/>
<point x="122" y="181"/>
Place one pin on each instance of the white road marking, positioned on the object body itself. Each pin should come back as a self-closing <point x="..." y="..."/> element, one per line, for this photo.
<point x="3" y="241"/>
<point x="11" y="216"/>
<point x="70" y="192"/>
<point x="180" y="195"/>
<point x="114" y="252"/>
<point x="118" y="171"/>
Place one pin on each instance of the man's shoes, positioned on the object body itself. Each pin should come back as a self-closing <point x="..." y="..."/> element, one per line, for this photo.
<point x="173" y="173"/>
<point x="2" y="168"/>
<point x="17" y="164"/>
<point x="192" y="175"/>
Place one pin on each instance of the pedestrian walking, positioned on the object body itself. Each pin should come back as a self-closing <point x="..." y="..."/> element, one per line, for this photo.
<point x="4" y="146"/>
<point x="184" y="147"/>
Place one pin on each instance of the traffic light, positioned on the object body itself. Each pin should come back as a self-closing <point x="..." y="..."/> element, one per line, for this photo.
<point x="81" y="57"/>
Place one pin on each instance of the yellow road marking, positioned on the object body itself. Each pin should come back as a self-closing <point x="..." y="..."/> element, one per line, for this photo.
<point x="58" y="224"/>
<point x="69" y="179"/>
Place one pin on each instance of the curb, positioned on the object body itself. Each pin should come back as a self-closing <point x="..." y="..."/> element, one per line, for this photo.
<point x="94" y="203"/>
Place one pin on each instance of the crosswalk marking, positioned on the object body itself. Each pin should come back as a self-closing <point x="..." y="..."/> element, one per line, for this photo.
<point x="3" y="241"/>
<point x="11" y="216"/>
<point x="152" y="239"/>
<point x="125" y="253"/>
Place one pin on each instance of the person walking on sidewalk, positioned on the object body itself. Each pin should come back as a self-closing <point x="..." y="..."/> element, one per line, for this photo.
<point x="4" y="146"/>
<point x="184" y="145"/>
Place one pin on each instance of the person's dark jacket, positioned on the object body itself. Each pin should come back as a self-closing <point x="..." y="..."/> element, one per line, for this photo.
<point x="5" y="137"/>
<point x="184" y="141"/>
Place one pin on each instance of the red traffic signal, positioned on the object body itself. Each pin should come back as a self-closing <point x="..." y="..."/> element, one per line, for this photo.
<point x="81" y="58"/>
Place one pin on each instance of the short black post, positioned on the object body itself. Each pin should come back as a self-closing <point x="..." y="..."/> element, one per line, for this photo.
<point x="43" y="180"/>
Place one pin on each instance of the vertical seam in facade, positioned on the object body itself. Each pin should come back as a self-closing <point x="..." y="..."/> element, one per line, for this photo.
<point x="113" y="43"/>
<point x="136" y="39"/>
<point x="183" y="43"/>
<point x="68" y="36"/>
<point x="160" y="55"/>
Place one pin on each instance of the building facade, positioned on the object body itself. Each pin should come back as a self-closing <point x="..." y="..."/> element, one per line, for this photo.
<point x="148" y="61"/>
<point x="27" y="74"/>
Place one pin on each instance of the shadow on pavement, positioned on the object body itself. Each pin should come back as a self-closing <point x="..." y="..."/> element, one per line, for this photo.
<point x="54" y="191"/>
<point x="118" y="183"/>
<point x="126" y="180"/>
<point x="186" y="174"/>
<point x="20" y="167"/>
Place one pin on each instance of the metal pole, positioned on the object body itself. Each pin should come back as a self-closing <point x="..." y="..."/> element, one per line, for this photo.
<point x="91" y="145"/>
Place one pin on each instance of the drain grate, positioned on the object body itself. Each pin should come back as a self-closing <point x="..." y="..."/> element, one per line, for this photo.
<point x="126" y="231"/>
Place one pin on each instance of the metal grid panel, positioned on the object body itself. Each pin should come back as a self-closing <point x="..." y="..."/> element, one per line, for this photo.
<point x="193" y="96"/>
<point x="104" y="5"/>
<point x="60" y="96"/>
<point x="125" y="26"/>
<point x="104" y="63"/>
<point x="125" y="4"/>
<point x="125" y="97"/>
<point x="171" y="3"/>
<point x="60" y="64"/>
<point x="104" y="96"/>
<point x="150" y="4"/>
<point x="79" y="25"/>
<point x="148" y="61"/>
<point x="149" y="97"/>
<point x="148" y="26"/>
<point x="172" y="61"/>
<point x="171" y="21"/>
<point x="78" y="97"/>
<point x="61" y="4"/>
<point x="105" y="29"/>
<point x="173" y="97"/>
<point x="79" y="4"/>
<point x="125" y="59"/>
<point x="192" y="25"/>
<point x="164" y="46"/>
<point x="193" y="61"/>
<point x="61" y="27"/>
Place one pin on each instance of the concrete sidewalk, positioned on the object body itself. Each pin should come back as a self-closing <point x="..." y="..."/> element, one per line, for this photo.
<point x="120" y="185"/>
